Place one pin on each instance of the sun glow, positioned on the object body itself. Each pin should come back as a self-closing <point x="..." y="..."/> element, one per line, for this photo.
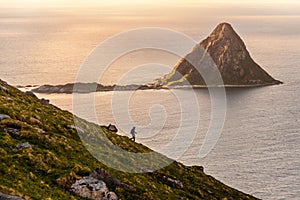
<point x="136" y="2"/>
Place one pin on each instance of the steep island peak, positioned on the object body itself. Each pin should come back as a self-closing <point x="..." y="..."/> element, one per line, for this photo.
<point x="229" y="54"/>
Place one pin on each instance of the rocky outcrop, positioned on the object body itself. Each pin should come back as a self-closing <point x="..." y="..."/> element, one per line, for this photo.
<point x="4" y="88"/>
<point x="112" y="128"/>
<point x="45" y="101"/>
<point x="9" y="197"/>
<point x="92" y="188"/>
<point x="40" y="131"/>
<point x="95" y="186"/>
<point x="176" y="182"/>
<point x="3" y="116"/>
<point x="14" y="131"/>
<point x="24" y="145"/>
<point x="110" y="180"/>
<point x="30" y="93"/>
<point x="76" y="128"/>
<point x="228" y="53"/>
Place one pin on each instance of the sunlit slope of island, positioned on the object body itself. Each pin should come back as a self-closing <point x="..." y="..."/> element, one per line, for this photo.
<point x="42" y="156"/>
<point x="224" y="50"/>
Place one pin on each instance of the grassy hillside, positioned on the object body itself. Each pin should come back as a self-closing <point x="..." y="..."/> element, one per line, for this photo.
<point x="57" y="158"/>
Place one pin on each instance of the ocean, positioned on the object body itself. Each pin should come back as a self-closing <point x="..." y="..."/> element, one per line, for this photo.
<point x="258" y="150"/>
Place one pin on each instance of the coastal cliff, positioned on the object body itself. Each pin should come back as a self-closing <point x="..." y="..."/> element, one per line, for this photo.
<point x="42" y="157"/>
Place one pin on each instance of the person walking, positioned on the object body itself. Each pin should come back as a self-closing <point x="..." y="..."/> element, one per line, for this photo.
<point x="133" y="132"/>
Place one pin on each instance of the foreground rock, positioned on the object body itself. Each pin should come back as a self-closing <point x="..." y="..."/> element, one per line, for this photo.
<point x="92" y="188"/>
<point x="110" y="180"/>
<point x="9" y="197"/>
<point x="31" y="94"/>
<point x="112" y="128"/>
<point x="3" y="116"/>
<point x="228" y="53"/>
<point x="95" y="185"/>
<point x="4" y="88"/>
<point x="24" y="145"/>
<point x="45" y="101"/>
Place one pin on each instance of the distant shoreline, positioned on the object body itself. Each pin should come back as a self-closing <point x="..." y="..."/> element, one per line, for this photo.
<point x="70" y="88"/>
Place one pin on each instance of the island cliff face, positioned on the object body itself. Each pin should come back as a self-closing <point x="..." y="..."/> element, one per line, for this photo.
<point x="229" y="54"/>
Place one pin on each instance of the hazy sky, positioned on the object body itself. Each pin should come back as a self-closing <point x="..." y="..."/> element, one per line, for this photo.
<point x="10" y="3"/>
<point x="170" y="8"/>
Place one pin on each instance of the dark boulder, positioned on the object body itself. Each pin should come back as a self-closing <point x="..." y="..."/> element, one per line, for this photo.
<point x="45" y="101"/>
<point x="29" y="93"/>
<point x="112" y="128"/>
<point x="110" y="180"/>
<point x="14" y="131"/>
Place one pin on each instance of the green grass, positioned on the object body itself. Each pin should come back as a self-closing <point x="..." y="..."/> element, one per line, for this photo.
<point x="57" y="158"/>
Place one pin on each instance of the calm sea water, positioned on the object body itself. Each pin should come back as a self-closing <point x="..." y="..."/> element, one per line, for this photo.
<point x="258" y="151"/>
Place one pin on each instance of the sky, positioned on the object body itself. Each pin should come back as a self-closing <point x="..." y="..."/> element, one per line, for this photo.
<point x="6" y="3"/>
<point x="176" y="7"/>
<point x="170" y="8"/>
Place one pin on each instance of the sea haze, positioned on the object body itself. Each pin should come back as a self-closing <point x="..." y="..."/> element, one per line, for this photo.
<point x="258" y="151"/>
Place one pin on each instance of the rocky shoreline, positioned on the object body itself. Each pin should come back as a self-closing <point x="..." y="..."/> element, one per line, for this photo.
<point x="95" y="87"/>
<point x="90" y="87"/>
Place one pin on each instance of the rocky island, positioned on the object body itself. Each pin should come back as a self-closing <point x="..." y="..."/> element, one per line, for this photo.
<point x="228" y="53"/>
<point x="42" y="157"/>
